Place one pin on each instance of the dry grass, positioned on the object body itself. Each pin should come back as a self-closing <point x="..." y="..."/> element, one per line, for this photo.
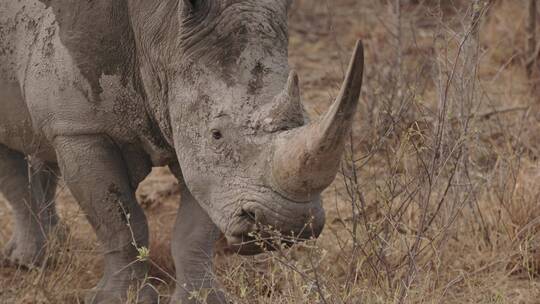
<point x="439" y="197"/>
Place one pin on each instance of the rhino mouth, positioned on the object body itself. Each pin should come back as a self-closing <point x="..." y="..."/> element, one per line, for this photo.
<point x="262" y="241"/>
<point x="255" y="231"/>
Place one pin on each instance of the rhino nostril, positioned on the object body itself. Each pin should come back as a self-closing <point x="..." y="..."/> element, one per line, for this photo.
<point x="249" y="215"/>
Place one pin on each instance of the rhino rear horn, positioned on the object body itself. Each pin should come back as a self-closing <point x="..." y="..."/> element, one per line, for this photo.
<point x="307" y="159"/>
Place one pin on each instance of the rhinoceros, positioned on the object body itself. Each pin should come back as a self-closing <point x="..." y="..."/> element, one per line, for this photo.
<point x="101" y="91"/>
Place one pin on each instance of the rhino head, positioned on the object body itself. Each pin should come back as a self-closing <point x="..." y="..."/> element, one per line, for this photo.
<point x="230" y="106"/>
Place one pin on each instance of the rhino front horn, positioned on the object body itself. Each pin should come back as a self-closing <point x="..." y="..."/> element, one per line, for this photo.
<point x="307" y="159"/>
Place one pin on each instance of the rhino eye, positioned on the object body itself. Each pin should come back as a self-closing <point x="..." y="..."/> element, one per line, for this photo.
<point x="194" y="3"/>
<point x="216" y="134"/>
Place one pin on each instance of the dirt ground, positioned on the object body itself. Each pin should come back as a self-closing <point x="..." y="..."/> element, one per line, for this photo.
<point x="481" y="245"/>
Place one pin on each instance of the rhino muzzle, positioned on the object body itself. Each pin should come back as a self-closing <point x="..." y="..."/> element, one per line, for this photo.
<point x="261" y="229"/>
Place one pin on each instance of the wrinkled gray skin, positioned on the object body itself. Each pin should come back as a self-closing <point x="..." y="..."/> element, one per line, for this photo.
<point x="104" y="90"/>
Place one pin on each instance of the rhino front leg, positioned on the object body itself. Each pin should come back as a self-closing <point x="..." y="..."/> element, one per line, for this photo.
<point x="95" y="173"/>
<point x="193" y="242"/>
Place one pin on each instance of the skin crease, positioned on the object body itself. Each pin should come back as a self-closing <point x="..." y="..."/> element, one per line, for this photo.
<point x="107" y="89"/>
